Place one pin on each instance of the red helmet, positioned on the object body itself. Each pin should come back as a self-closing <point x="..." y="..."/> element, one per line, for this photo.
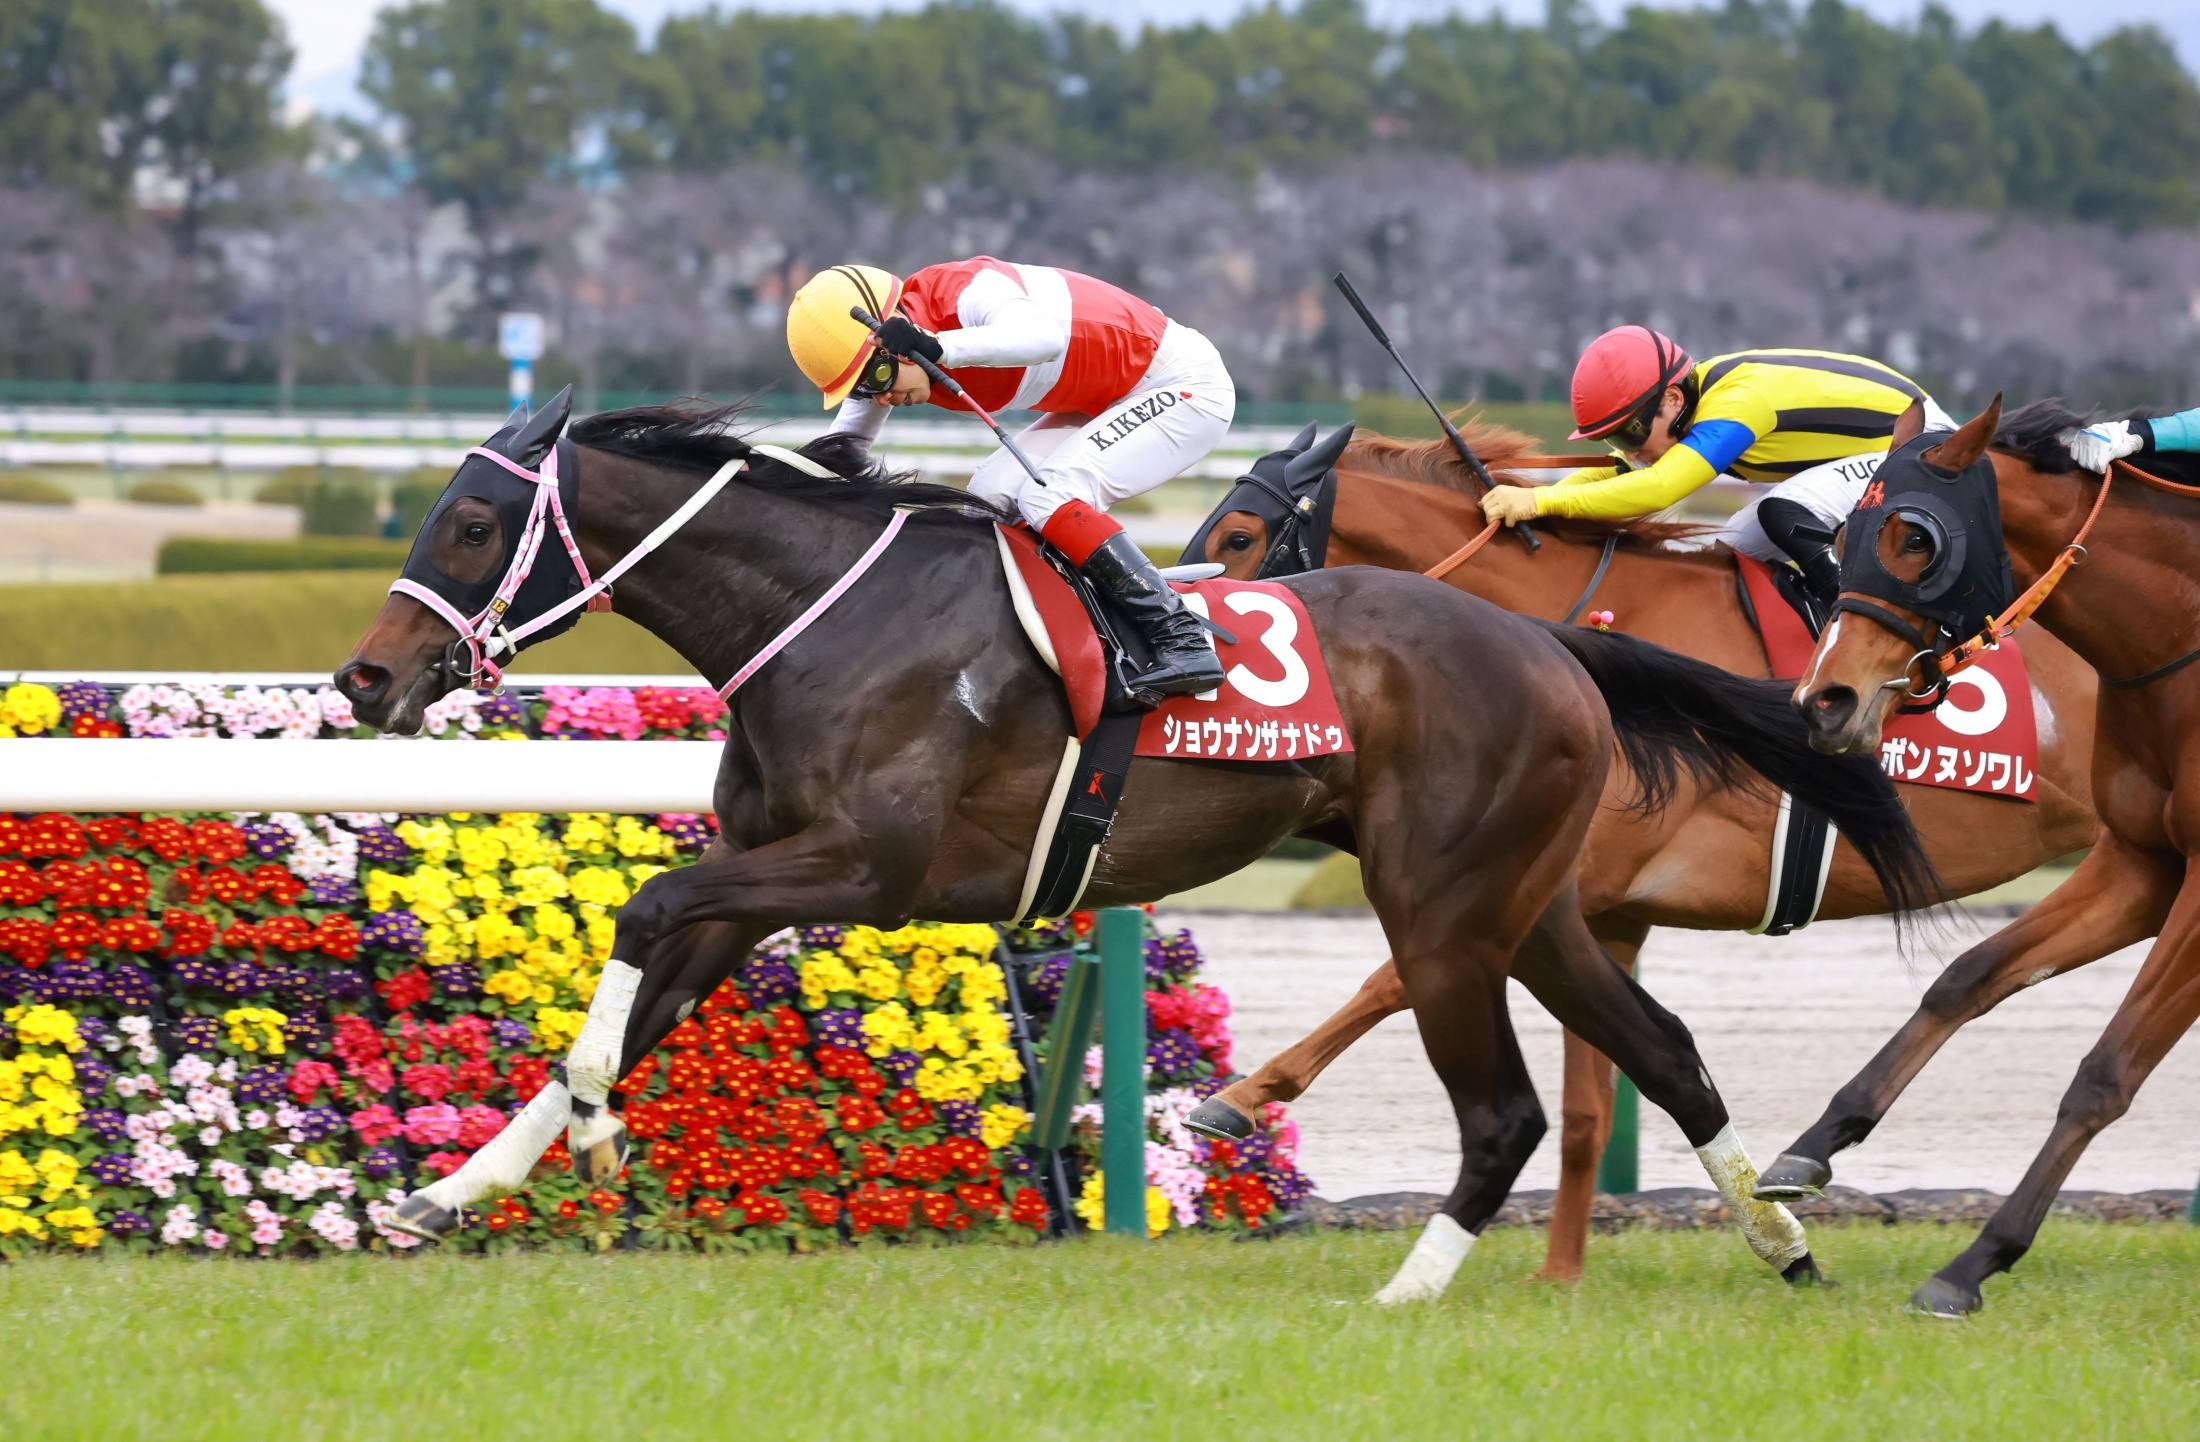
<point x="1621" y="372"/>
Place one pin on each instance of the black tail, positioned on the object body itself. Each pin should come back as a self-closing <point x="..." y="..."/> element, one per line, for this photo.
<point x="1673" y="714"/>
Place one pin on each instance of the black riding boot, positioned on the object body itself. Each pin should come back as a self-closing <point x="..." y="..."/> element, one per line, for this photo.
<point x="1183" y="661"/>
<point x="1797" y="532"/>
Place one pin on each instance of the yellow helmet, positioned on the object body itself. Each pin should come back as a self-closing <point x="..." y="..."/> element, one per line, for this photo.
<point x="829" y="344"/>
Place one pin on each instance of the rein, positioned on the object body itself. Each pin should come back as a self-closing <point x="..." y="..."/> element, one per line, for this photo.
<point x="1465" y="553"/>
<point x="483" y="635"/>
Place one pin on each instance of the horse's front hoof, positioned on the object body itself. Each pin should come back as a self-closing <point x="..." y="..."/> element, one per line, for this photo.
<point x="1217" y="1118"/>
<point x="1950" y="1301"/>
<point x="1803" y="1272"/>
<point x="418" y="1216"/>
<point x="599" y="1146"/>
<point x="1791" y="1178"/>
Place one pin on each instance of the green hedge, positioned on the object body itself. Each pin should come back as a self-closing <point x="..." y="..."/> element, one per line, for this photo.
<point x="22" y="490"/>
<point x="200" y="555"/>
<point x="159" y="492"/>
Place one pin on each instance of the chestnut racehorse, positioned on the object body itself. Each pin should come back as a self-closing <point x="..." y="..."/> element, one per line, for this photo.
<point x="895" y="752"/>
<point x="2132" y="610"/>
<point x="1705" y="861"/>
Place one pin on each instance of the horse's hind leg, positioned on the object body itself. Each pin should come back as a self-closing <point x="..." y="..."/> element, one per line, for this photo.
<point x="1562" y="965"/>
<point x="1234" y="1112"/>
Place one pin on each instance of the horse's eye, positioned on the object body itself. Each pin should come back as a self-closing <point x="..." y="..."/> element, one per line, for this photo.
<point x="475" y="534"/>
<point x="1237" y="541"/>
<point x="1917" y="541"/>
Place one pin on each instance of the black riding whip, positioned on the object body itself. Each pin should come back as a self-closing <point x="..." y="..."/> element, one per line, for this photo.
<point x="948" y="383"/>
<point x="1451" y="432"/>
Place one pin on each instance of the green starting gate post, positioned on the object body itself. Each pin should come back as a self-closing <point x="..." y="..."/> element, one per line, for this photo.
<point x="1062" y="1080"/>
<point x="1617" y="1170"/>
<point x="1123" y="1070"/>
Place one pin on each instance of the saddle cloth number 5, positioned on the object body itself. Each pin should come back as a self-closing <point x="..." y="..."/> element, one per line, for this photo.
<point x="1278" y="638"/>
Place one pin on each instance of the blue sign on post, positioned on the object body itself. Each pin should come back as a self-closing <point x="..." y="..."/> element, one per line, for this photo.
<point x="519" y="340"/>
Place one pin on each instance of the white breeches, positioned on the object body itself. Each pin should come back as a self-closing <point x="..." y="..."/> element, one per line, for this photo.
<point x="1829" y="492"/>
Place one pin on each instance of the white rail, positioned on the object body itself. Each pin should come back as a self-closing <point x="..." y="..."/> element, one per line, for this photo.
<point x="646" y="777"/>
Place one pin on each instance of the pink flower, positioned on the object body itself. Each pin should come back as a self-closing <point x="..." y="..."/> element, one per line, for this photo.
<point x="477" y="1124"/>
<point x="214" y="1240"/>
<point x="432" y="1126"/>
<point x="443" y="1163"/>
<point x="309" y="1077"/>
<point x="376" y="1076"/>
<point x="431" y="1082"/>
<point x="375" y="1124"/>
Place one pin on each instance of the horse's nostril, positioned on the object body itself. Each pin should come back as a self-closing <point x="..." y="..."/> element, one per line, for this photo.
<point x="362" y="682"/>
<point x="1833" y="705"/>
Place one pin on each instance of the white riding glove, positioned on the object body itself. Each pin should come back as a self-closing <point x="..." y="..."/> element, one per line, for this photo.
<point x="2105" y="442"/>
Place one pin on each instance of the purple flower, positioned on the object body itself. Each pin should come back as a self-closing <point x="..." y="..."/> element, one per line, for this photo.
<point x="380" y="1162"/>
<point x="458" y="979"/>
<point x="1173" y="1054"/>
<point x="1255" y="1152"/>
<point x="105" y="1123"/>
<point x="1288" y="1185"/>
<point x="266" y="840"/>
<point x="342" y="983"/>
<point x="503" y="709"/>
<point x="66" y="981"/>
<point x="93" y="1030"/>
<point x="689" y="833"/>
<point x="1015" y="1163"/>
<point x="382" y="845"/>
<point x="1172" y="958"/>
<point x="262" y="1086"/>
<point x="112" y="1169"/>
<point x="92" y="1074"/>
<point x="305" y="1034"/>
<point x="510" y="1033"/>
<point x="1043" y="983"/>
<point x="318" y="1124"/>
<point x="817" y="936"/>
<point x="82" y="698"/>
<point x="196" y="972"/>
<point x="129" y="1224"/>
<point x="395" y="930"/>
<point x="841" y="1026"/>
<point x="900" y="1066"/>
<point x="333" y="891"/>
<point x="961" y="1116"/>
<point x="197" y="1033"/>
<point x="130" y="986"/>
<point x="768" y="981"/>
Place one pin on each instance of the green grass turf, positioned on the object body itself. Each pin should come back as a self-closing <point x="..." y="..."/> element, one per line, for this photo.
<point x="293" y="621"/>
<point x="1673" y="1336"/>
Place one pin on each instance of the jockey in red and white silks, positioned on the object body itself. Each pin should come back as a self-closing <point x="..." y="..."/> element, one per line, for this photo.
<point x="1127" y="399"/>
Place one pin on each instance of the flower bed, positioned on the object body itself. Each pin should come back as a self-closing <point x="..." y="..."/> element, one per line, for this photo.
<point x="252" y="1034"/>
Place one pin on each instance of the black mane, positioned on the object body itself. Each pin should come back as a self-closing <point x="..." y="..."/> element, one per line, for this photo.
<point x="696" y="436"/>
<point x="2032" y="433"/>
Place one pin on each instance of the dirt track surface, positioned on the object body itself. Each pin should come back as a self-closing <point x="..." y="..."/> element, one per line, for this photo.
<point x="1782" y="1023"/>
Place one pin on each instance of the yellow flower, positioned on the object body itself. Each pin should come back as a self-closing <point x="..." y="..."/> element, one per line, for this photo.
<point x="255" y="1028"/>
<point x="44" y="1026"/>
<point x="1002" y="1124"/>
<point x="28" y="709"/>
<point x="1091" y="1207"/>
<point x="557" y="1027"/>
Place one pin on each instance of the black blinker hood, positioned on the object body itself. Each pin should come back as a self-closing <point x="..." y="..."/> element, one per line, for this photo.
<point x="526" y="441"/>
<point x="1293" y="492"/>
<point x="1968" y="580"/>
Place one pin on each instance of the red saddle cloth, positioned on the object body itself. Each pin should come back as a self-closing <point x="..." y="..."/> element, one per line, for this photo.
<point x="1982" y="738"/>
<point x="1275" y="703"/>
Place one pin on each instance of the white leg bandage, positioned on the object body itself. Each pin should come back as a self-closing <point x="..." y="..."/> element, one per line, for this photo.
<point x="1771" y="1230"/>
<point x="1430" y="1266"/>
<point x="592" y="1066"/>
<point x="503" y="1164"/>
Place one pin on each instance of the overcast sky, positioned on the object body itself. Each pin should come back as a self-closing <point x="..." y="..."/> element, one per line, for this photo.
<point x="328" y="36"/>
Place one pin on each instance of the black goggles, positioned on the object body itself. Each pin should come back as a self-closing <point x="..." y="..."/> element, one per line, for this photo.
<point x="877" y="376"/>
<point x="1633" y="434"/>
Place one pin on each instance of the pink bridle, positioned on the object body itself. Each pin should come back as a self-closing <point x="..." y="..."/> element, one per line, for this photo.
<point x="481" y="633"/>
<point x="485" y="639"/>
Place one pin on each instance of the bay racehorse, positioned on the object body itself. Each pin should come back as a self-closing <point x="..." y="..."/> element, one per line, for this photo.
<point x="1955" y="524"/>
<point x="1704" y="860"/>
<point x="892" y="760"/>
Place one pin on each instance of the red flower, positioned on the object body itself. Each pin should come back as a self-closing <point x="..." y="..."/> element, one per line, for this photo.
<point x="20" y="885"/>
<point x="823" y="1207"/>
<point x="189" y="934"/>
<point x="217" y="841"/>
<point x="499" y="1222"/>
<point x="528" y="1075"/>
<point x="1029" y="1209"/>
<point x="27" y="940"/>
<point x="405" y="990"/>
<point x="429" y="1083"/>
<point x="569" y="1209"/>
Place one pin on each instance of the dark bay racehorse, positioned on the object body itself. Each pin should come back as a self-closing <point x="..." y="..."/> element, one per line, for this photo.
<point x="1944" y="506"/>
<point x="893" y="761"/>
<point x="1704" y="860"/>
